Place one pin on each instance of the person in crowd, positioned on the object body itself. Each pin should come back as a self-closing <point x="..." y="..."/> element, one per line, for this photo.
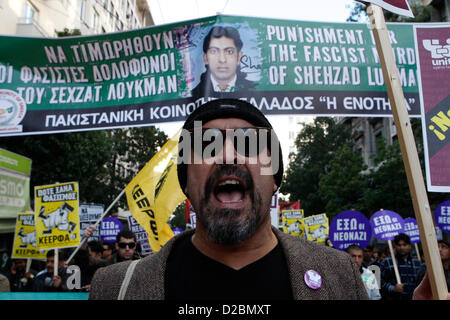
<point x="222" y="53"/>
<point x="444" y="252"/>
<point x="368" y="256"/>
<point x="408" y="268"/>
<point x="95" y="249"/>
<point x="234" y="252"/>
<point x="367" y="276"/>
<point x="46" y="280"/>
<point x="381" y="252"/>
<point x="108" y="250"/>
<point x="125" y="247"/>
<point x="89" y="263"/>
<point x="19" y="279"/>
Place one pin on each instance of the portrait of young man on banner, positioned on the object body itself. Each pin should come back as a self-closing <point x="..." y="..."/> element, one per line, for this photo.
<point x="222" y="66"/>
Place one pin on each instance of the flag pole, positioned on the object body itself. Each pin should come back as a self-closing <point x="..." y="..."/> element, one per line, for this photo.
<point x="409" y="153"/>
<point x="83" y="240"/>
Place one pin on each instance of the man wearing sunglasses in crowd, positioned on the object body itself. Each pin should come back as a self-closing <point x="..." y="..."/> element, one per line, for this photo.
<point x="125" y="246"/>
<point x="234" y="252"/>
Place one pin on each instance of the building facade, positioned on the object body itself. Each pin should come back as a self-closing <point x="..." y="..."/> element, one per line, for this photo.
<point x="366" y="131"/>
<point x="44" y="18"/>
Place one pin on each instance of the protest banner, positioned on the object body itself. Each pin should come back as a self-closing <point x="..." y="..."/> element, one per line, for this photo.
<point x="177" y="231"/>
<point x="386" y="225"/>
<point x="292" y="221"/>
<point x="350" y="227"/>
<point x="442" y="216"/>
<point x="287" y="206"/>
<point x="14" y="188"/>
<point x="154" y="193"/>
<point x="433" y="48"/>
<point x="141" y="77"/>
<point x="412" y="230"/>
<point x="56" y="215"/>
<point x="316" y="228"/>
<point x="141" y="235"/>
<point x="25" y="241"/>
<point x="89" y="214"/>
<point x="409" y="151"/>
<point x="109" y="228"/>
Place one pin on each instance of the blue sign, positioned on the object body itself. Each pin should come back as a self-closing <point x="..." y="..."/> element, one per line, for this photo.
<point x="412" y="230"/>
<point x="350" y="227"/>
<point x="177" y="231"/>
<point x="386" y="224"/>
<point x="442" y="216"/>
<point x="109" y="229"/>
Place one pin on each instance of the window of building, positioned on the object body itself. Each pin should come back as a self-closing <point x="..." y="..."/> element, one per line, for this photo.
<point x="95" y="20"/>
<point x="82" y="9"/>
<point x="29" y="13"/>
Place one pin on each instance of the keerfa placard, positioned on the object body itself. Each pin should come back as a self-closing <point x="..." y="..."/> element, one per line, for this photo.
<point x="57" y="215"/>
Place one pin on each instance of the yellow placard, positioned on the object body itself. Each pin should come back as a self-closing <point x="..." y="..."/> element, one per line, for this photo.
<point x="25" y="241"/>
<point x="154" y="194"/>
<point x="57" y="216"/>
<point x="316" y="228"/>
<point x="292" y="221"/>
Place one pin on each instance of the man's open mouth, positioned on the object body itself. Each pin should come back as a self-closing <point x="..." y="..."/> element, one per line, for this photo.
<point x="229" y="190"/>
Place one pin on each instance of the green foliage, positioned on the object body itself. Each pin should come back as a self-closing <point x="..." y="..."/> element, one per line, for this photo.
<point x="316" y="145"/>
<point x="421" y="14"/>
<point x="68" y="33"/>
<point x="179" y="217"/>
<point x="388" y="184"/>
<point x="103" y="162"/>
<point x="342" y="185"/>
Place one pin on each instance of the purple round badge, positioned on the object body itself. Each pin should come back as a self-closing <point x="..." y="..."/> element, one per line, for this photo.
<point x="412" y="230"/>
<point x="350" y="227"/>
<point x="313" y="279"/>
<point x="442" y="216"/>
<point x="386" y="224"/>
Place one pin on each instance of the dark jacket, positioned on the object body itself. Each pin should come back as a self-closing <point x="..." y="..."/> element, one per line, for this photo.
<point x="205" y="87"/>
<point x="19" y="283"/>
<point x="340" y="276"/>
<point x="44" y="282"/>
<point x="409" y="272"/>
<point x="89" y="265"/>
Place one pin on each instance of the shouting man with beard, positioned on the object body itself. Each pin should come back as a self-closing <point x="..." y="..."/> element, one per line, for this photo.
<point x="230" y="165"/>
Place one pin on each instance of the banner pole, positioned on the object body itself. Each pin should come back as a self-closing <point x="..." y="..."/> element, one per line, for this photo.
<point x="83" y="240"/>
<point x="417" y="251"/>
<point x="56" y="262"/>
<point x="28" y="266"/>
<point x="394" y="261"/>
<point x="409" y="152"/>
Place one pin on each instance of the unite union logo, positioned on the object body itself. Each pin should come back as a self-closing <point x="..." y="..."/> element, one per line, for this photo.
<point x="440" y="54"/>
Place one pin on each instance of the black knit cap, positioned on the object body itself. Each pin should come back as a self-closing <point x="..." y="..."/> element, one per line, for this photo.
<point x="222" y="109"/>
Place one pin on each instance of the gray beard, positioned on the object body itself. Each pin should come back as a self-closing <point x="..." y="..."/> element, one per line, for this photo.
<point x="230" y="226"/>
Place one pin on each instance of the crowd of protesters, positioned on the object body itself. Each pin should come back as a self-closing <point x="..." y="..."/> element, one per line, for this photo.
<point x="96" y="254"/>
<point x="411" y="269"/>
<point x="39" y="277"/>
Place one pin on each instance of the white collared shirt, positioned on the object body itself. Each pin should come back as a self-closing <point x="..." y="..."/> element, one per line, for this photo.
<point x="230" y="85"/>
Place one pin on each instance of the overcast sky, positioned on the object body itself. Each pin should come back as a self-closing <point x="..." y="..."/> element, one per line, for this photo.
<point x="168" y="11"/>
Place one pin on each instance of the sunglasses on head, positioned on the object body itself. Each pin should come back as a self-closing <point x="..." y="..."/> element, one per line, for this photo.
<point x="248" y="142"/>
<point x="130" y="245"/>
